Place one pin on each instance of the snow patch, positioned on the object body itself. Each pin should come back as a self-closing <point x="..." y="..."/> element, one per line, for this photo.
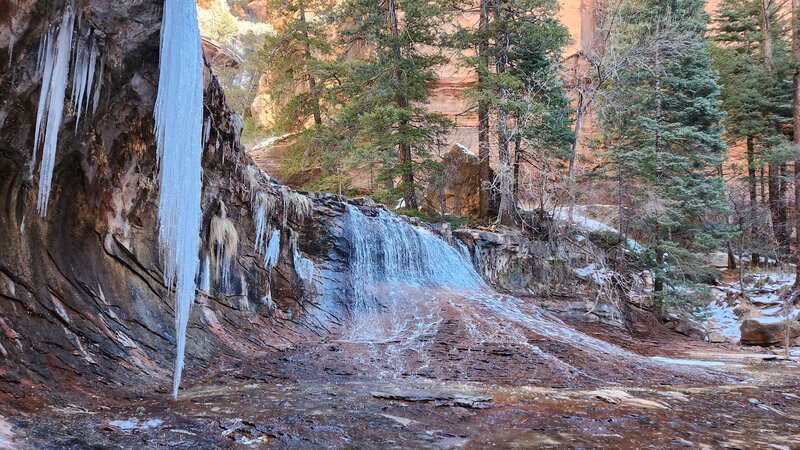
<point x="130" y="425"/>
<point x="595" y="226"/>
<point x="466" y="150"/>
<point x="723" y="319"/>
<point x="599" y="275"/>
<point x="269" y="142"/>
<point x="688" y="362"/>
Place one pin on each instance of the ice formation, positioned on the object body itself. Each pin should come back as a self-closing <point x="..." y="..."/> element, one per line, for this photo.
<point x="224" y="242"/>
<point x="263" y="207"/>
<point x="86" y="52"/>
<point x="205" y="276"/>
<point x="54" y="56"/>
<point x="403" y="280"/>
<point x="303" y="267"/>
<point x="296" y="205"/>
<point x="273" y="250"/>
<point x="179" y="137"/>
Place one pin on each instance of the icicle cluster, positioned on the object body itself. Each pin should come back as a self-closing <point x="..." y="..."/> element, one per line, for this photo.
<point x="297" y="205"/>
<point x="85" y="66"/>
<point x="273" y="250"/>
<point x="179" y="135"/>
<point x="224" y="242"/>
<point x="53" y="63"/>
<point x="263" y="206"/>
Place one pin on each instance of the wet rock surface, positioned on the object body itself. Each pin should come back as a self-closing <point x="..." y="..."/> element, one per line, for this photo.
<point x="281" y="402"/>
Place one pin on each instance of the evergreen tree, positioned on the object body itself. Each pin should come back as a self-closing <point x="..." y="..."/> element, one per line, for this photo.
<point x="217" y="22"/>
<point x="390" y="52"/>
<point x="666" y="133"/>
<point x="296" y="59"/>
<point x="756" y="95"/>
<point x="522" y="41"/>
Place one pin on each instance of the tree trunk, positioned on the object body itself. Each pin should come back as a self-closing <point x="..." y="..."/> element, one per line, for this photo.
<point x="777" y="187"/>
<point x="731" y="257"/>
<point x="506" y="214"/>
<point x="766" y="32"/>
<point x="796" y="117"/>
<point x="483" y="117"/>
<point x="404" y="149"/>
<point x="312" y="82"/>
<point x="517" y="159"/>
<point x="579" y="115"/>
<point x="751" y="171"/>
<point x="658" y="284"/>
<point x="751" y="180"/>
<point x="777" y="207"/>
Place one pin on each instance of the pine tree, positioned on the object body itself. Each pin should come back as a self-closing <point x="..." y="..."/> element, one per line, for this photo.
<point x="666" y="133"/>
<point x="383" y="120"/>
<point x="522" y="41"/>
<point x="756" y="97"/>
<point x="295" y="59"/>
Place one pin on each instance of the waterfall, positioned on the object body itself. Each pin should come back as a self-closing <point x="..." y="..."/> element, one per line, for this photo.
<point x="406" y="281"/>
<point x="179" y="135"/>
<point x="387" y="249"/>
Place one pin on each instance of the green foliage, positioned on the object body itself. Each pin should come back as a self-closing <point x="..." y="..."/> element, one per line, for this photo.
<point x="530" y="89"/>
<point x="756" y="98"/>
<point x="454" y="220"/>
<point x="689" y="297"/>
<point x="380" y="91"/>
<point x="295" y="60"/>
<point x="217" y="22"/>
<point x="665" y="133"/>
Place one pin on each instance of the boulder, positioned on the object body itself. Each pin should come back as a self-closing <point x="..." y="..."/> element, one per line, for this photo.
<point x="686" y="326"/>
<point x="458" y="191"/>
<point x="768" y="331"/>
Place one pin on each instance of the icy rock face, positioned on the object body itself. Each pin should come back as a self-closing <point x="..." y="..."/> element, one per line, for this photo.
<point x="85" y="282"/>
<point x="179" y="134"/>
<point x="407" y="286"/>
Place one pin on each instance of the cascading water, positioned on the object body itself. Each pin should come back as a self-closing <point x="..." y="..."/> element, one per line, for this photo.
<point x="407" y="282"/>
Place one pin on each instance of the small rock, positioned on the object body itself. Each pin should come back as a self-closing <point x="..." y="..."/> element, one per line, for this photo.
<point x="401" y="420"/>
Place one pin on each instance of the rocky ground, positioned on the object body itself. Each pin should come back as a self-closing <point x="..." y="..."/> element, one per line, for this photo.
<point x="321" y="396"/>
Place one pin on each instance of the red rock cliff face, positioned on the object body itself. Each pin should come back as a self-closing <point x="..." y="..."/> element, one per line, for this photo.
<point x="82" y="299"/>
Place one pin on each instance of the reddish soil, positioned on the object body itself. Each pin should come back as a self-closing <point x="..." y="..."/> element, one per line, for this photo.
<point x="330" y="395"/>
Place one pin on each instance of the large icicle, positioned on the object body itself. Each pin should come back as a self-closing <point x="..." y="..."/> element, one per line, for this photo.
<point x="54" y="63"/>
<point x="179" y="134"/>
